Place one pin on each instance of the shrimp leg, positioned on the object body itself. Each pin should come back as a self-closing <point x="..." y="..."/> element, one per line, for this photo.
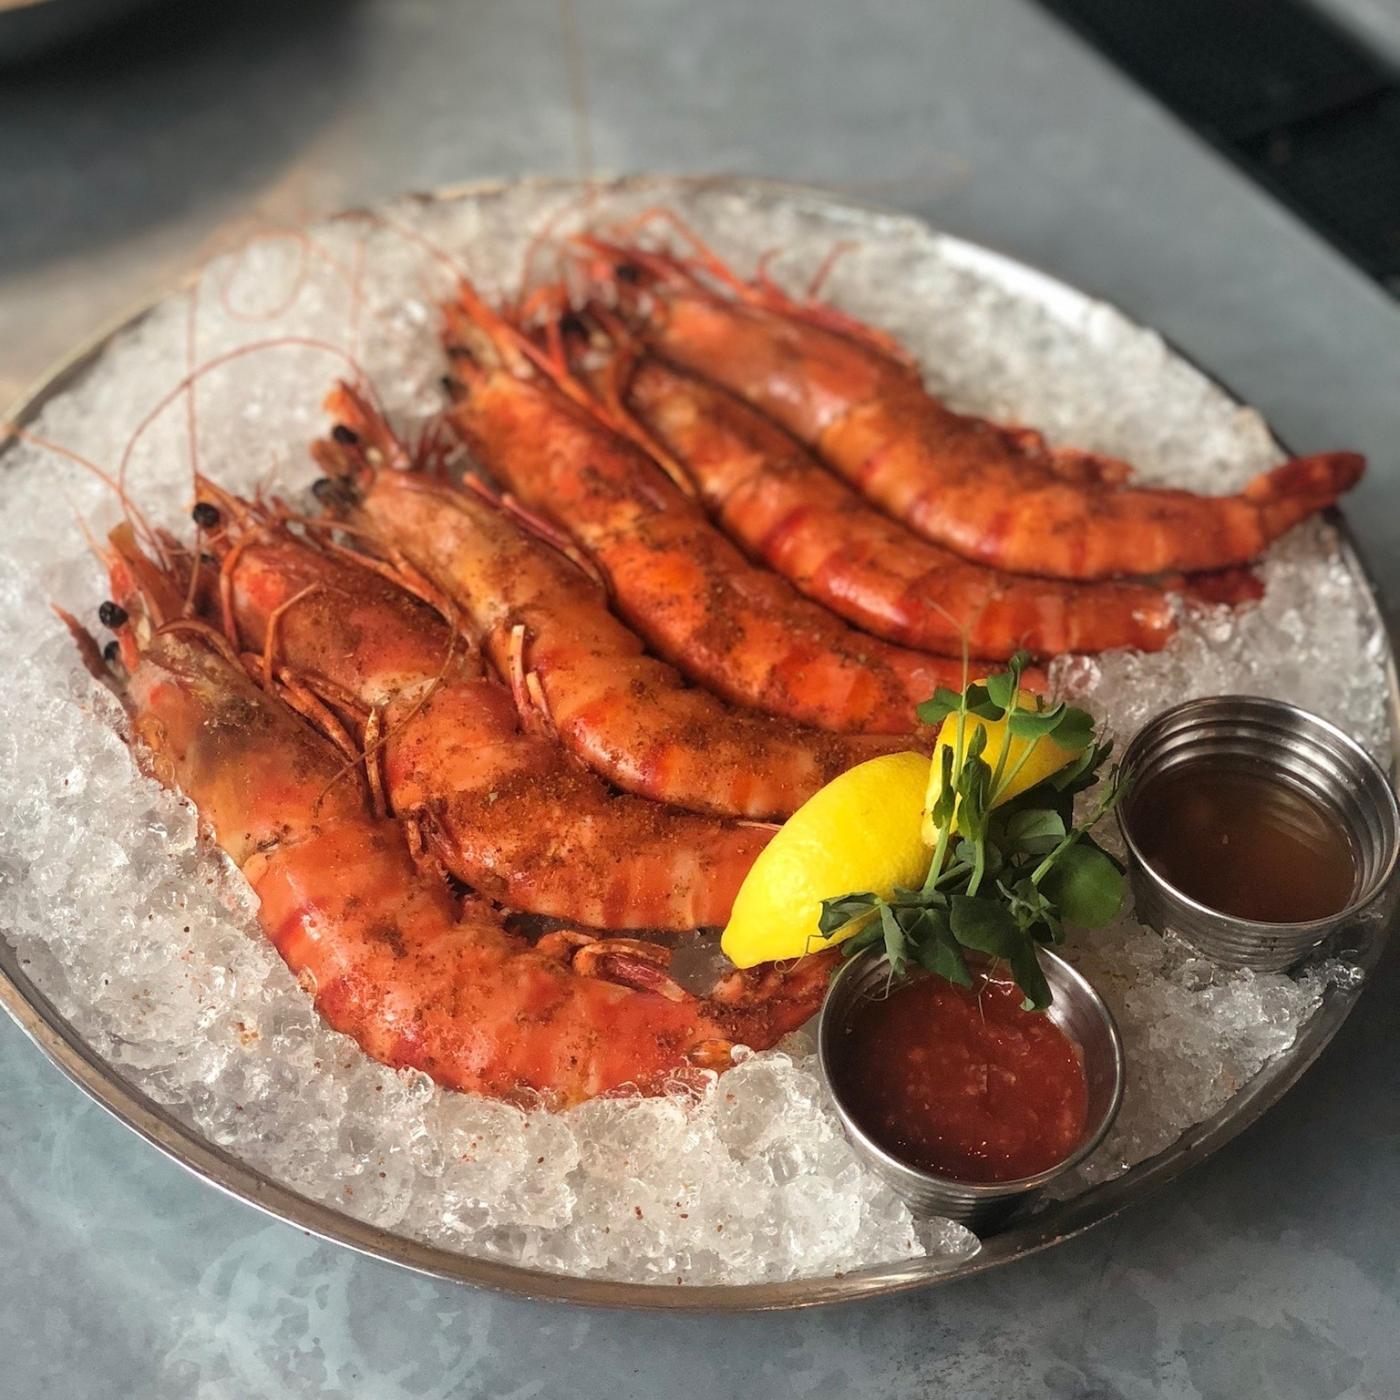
<point x="506" y="811"/>
<point x="380" y="944"/>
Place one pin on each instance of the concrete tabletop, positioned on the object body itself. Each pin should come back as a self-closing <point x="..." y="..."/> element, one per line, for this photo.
<point x="1274" y="1270"/>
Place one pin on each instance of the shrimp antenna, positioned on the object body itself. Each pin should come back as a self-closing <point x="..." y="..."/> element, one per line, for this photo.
<point x="475" y="327"/>
<point x="545" y="234"/>
<point x="130" y="511"/>
<point x="662" y="266"/>
<point x="217" y="362"/>
<point x="416" y="238"/>
<point x="702" y="255"/>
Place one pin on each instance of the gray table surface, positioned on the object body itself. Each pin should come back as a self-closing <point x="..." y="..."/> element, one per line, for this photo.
<point x="1270" y="1272"/>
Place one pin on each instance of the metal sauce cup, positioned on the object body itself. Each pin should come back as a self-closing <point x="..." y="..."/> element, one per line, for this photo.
<point x="1311" y="755"/>
<point x="1077" y="1009"/>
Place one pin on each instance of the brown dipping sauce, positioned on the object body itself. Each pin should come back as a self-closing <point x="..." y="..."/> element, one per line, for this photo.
<point x="961" y="1081"/>
<point x="1245" y="843"/>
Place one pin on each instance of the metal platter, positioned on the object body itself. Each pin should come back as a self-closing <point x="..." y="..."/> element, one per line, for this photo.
<point x="64" y="1045"/>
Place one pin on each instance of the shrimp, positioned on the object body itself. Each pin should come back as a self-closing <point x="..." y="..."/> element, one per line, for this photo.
<point x="994" y="495"/>
<point x="773" y="497"/>
<point x="737" y="628"/>
<point x="378" y="942"/>
<point x="574" y="667"/>
<point x="507" y="812"/>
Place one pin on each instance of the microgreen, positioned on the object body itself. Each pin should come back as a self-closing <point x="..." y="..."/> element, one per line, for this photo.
<point x="1018" y="867"/>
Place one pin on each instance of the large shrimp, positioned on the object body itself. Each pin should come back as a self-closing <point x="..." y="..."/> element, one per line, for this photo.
<point x="575" y="667"/>
<point x="771" y="495"/>
<point x="379" y="943"/>
<point x="992" y="494"/>
<point x="506" y="811"/>
<point x="737" y="628"/>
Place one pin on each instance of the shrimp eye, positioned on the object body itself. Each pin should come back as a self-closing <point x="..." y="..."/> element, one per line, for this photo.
<point x="205" y="515"/>
<point x="571" y="324"/>
<point x="111" y="614"/>
<point x="333" y="493"/>
<point x="111" y="651"/>
<point x="629" y="272"/>
<point x="346" y="437"/>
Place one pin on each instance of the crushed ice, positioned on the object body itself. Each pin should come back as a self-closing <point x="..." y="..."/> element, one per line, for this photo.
<point x="146" y="941"/>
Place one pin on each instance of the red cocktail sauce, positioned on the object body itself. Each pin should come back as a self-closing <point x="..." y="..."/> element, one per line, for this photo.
<point x="961" y="1082"/>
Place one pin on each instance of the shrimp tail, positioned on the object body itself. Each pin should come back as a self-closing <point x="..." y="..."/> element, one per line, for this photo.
<point x="1299" y="487"/>
<point x="759" y="1005"/>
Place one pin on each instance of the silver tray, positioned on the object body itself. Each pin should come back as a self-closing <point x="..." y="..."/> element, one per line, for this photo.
<point x="56" y="1037"/>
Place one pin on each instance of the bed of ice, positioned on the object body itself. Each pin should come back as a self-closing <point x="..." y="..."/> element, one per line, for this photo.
<point x="147" y="943"/>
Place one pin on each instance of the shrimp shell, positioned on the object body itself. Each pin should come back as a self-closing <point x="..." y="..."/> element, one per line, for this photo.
<point x="379" y="943"/>
<point x="785" y="508"/>
<point x="627" y="715"/>
<point x="740" y="630"/>
<point x="506" y="811"/>
<point x="992" y="494"/>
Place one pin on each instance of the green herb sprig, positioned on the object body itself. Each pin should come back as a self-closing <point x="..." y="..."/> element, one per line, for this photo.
<point x="1012" y="875"/>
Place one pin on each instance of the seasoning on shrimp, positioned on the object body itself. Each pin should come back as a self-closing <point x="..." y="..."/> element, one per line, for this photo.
<point x="573" y="665"/>
<point x="993" y="494"/>
<point x="734" y="626"/>
<point x="772" y="496"/>
<point x="505" y="810"/>
<point x="380" y="943"/>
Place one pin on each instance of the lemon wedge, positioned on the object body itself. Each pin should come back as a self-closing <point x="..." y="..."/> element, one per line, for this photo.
<point x="1047" y="757"/>
<point x="860" y="832"/>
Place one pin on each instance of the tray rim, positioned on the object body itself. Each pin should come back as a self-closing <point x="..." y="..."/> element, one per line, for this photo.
<point x="59" y="1041"/>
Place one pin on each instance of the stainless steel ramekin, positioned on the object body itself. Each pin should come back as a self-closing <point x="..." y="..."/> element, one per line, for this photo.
<point x="1299" y="748"/>
<point x="1077" y="1009"/>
